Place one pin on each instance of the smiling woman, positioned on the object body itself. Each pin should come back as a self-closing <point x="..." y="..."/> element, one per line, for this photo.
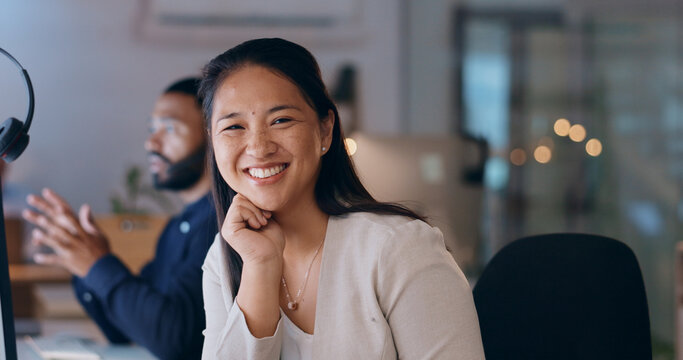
<point x="269" y="143"/>
<point x="384" y="285"/>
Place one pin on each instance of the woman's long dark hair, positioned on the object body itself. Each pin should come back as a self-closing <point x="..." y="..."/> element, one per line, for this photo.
<point x="338" y="190"/>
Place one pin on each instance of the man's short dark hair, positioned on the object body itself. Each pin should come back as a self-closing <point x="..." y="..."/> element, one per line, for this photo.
<point x="187" y="86"/>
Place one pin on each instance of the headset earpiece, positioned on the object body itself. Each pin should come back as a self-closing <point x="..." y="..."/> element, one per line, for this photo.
<point x="14" y="133"/>
<point x="13" y="139"/>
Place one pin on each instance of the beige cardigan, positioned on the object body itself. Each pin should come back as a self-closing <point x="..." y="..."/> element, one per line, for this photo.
<point x="388" y="289"/>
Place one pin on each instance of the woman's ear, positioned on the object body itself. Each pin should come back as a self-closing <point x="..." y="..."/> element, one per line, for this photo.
<point x="326" y="129"/>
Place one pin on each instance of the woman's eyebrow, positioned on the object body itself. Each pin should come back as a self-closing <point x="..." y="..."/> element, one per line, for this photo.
<point x="228" y="116"/>
<point x="283" y="107"/>
<point x="270" y="111"/>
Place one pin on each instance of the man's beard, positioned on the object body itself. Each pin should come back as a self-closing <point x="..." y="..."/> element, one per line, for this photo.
<point x="183" y="174"/>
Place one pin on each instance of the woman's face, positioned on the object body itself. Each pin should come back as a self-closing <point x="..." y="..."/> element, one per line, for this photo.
<point x="267" y="140"/>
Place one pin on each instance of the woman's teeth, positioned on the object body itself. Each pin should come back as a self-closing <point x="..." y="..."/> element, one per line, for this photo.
<point x="267" y="172"/>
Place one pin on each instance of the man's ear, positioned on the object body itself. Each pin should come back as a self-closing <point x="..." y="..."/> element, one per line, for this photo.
<point x="326" y="128"/>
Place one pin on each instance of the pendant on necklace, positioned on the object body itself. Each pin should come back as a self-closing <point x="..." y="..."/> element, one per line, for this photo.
<point x="291" y="305"/>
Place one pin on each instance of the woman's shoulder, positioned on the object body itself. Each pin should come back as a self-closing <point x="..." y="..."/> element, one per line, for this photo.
<point x="379" y="221"/>
<point x="396" y="246"/>
<point x="379" y="229"/>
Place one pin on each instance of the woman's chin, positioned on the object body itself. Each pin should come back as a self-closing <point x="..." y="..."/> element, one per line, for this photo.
<point x="265" y="204"/>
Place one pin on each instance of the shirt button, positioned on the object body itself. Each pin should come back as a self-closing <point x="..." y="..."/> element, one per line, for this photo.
<point x="87" y="297"/>
<point x="184" y="227"/>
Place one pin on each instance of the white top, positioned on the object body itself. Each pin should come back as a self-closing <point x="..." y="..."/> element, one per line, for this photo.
<point x="296" y="344"/>
<point x="387" y="289"/>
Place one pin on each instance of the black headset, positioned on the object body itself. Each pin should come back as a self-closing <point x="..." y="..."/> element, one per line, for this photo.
<point x="14" y="133"/>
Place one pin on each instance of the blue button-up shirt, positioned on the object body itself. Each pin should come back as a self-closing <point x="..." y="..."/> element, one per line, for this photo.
<point x="162" y="308"/>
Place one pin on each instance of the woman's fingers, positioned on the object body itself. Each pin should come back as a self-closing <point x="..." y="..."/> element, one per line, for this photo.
<point x="245" y="212"/>
<point x="254" y="222"/>
<point x="258" y="213"/>
<point x="243" y="216"/>
<point x="252" y="232"/>
<point x="255" y="217"/>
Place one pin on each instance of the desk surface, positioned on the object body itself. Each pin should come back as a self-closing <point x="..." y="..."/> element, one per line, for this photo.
<point x="106" y="352"/>
<point x="82" y="328"/>
<point x="32" y="273"/>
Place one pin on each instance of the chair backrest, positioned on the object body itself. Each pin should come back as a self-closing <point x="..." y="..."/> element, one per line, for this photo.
<point x="563" y="296"/>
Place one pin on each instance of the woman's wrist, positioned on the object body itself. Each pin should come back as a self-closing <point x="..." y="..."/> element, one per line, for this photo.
<point x="264" y="272"/>
<point x="259" y="297"/>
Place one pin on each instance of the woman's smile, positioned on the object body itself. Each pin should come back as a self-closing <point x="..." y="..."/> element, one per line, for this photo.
<point x="266" y="174"/>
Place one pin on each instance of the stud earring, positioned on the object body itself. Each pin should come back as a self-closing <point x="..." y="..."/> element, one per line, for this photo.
<point x="324" y="148"/>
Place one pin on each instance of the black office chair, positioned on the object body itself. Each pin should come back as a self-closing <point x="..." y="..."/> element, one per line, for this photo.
<point x="563" y="296"/>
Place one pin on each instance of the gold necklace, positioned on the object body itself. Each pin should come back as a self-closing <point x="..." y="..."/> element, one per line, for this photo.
<point x="292" y="304"/>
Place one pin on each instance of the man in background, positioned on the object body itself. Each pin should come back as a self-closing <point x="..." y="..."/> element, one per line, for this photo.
<point x="162" y="307"/>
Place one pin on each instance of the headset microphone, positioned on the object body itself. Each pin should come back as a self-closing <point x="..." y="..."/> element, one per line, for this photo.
<point x="14" y="133"/>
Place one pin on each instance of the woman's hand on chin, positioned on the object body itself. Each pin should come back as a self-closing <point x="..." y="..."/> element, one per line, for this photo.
<point x="252" y="233"/>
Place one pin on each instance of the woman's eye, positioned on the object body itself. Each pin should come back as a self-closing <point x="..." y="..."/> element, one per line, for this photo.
<point x="170" y="128"/>
<point x="233" y="127"/>
<point x="282" y="121"/>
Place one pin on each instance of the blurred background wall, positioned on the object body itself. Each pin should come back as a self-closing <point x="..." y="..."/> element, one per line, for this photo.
<point x="503" y="72"/>
<point x="97" y="69"/>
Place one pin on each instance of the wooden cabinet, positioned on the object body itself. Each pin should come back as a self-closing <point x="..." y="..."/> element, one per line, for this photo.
<point x="133" y="238"/>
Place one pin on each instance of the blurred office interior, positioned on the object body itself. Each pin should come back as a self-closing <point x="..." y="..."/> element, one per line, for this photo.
<point x="551" y="115"/>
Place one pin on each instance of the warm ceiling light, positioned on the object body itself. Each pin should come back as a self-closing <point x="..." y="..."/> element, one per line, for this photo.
<point x="594" y="147"/>
<point x="518" y="157"/>
<point x="562" y="127"/>
<point x="577" y="133"/>
<point x="542" y="154"/>
<point x="351" y="146"/>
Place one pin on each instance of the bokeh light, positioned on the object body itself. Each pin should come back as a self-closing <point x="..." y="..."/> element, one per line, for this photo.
<point x="351" y="146"/>
<point x="594" y="147"/>
<point x="518" y="157"/>
<point x="543" y="154"/>
<point x="577" y="133"/>
<point x="562" y="127"/>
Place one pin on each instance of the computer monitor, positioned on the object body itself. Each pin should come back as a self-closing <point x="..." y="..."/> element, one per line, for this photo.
<point x="8" y="343"/>
<point x="427" y="174"/>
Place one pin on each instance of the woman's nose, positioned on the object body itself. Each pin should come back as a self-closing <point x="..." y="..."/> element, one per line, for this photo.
<point x="260" y="144"/>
